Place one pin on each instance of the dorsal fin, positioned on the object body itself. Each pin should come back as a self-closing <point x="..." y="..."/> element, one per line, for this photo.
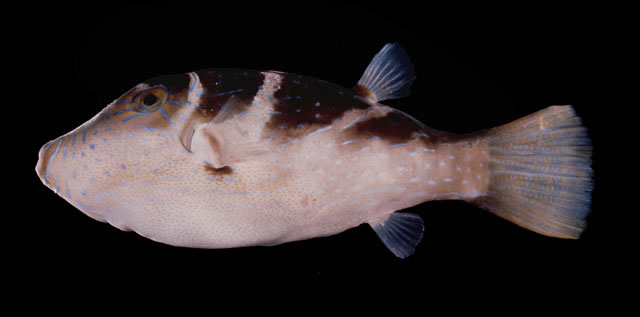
<point x="388" y="76"/>
<point x="400" y="233"/>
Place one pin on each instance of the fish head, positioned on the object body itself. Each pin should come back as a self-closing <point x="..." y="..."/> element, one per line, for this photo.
<point x="112" y="164"/>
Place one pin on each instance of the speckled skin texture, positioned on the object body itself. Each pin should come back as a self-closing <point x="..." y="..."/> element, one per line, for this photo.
<point x="236" y="158"/>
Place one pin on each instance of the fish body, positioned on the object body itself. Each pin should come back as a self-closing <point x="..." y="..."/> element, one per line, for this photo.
<point x="223" y="158"/>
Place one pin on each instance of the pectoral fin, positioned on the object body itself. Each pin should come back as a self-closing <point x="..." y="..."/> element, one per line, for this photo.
<point x="227" y="139"/>
<point x="208" y="144"/>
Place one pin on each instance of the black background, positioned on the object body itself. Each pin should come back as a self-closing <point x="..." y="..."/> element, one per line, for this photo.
<point x="477" y="67"/>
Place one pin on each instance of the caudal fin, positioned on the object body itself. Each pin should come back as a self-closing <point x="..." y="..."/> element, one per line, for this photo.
<point x="540" y="173"/>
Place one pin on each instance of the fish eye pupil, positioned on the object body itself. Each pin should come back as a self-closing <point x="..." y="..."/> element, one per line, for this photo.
<point x="149" y="100"/>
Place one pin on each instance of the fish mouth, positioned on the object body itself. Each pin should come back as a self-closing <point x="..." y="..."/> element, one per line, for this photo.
<point x="43" y="158"/>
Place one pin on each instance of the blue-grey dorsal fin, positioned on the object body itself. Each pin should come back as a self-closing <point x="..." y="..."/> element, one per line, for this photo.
<point x="400" y="233"/>
<point x="389" y="74"/>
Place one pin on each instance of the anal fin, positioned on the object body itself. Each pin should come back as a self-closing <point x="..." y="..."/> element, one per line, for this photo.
<point x="400" y="233"/>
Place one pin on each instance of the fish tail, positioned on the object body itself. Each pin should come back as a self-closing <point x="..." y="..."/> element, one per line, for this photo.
<point x="540" y="174"/>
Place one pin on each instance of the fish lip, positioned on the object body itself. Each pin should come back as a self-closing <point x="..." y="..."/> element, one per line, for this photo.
<point x="41" y="165"/>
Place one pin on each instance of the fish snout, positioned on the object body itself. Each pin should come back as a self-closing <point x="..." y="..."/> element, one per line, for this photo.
<point x="43" y="160"/>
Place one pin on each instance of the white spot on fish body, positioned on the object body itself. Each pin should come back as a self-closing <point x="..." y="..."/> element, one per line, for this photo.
<point x="320" y="130"/>
<point x="294" y="141"/>
<point x="349" y="142"/>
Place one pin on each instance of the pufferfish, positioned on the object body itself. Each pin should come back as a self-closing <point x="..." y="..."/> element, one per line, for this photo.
<point x="224" y="158"/>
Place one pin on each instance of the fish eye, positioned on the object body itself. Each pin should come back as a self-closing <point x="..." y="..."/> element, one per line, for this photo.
<point x="150" y="99"/>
